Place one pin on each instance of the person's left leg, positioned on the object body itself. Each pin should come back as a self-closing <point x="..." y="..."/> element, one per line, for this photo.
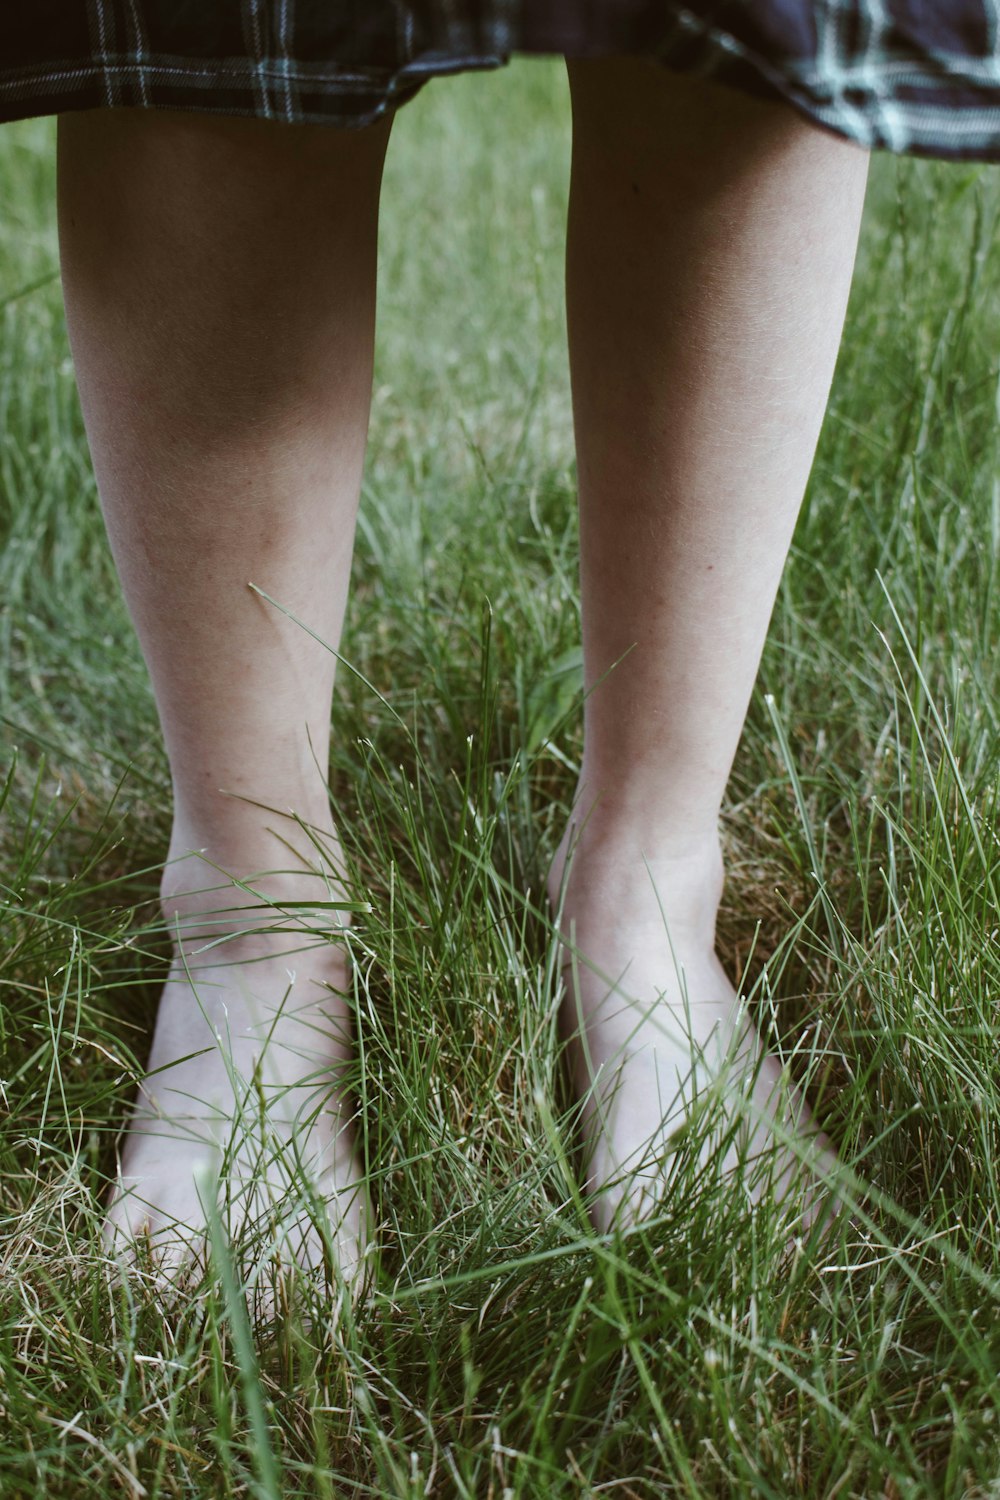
<point x="710" y="251"/>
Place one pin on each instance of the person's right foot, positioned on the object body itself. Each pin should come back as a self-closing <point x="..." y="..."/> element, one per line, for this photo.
<point x="245" y="1100"/>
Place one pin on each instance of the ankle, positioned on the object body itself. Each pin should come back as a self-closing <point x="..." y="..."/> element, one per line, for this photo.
<point x="209" y="892"/>
<point x="637" y="812"/>
<point x="622" y="869"/>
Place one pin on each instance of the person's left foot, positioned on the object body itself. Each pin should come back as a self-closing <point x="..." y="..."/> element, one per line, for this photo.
<point x="653" y="1025"/>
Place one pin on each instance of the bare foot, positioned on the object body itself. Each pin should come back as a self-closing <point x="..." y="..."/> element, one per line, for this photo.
<point x="245" y="1102"/>
<point x="654" y="1026"/>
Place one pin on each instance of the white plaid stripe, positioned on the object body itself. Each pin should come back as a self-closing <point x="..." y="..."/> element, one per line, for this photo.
<point x="830" y="22"/>
<point x="102" y="27"/>
<point x="991" y="9"/>
<point x="254" y="21"/>
<point x="139" y="51"/>
<point x="862" y="80"/>
<point x="285" y="53"/>
<point x="876" y="26"/>
<point x="505" y="19"/>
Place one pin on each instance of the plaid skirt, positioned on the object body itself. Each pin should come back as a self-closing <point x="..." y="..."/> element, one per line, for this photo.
<point x="914" y="76"/>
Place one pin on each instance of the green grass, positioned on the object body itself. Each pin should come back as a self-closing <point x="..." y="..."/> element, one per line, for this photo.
<point x="503" y="1349"/>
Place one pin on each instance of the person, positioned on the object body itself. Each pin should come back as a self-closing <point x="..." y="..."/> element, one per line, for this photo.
<point x="218" y="246"/>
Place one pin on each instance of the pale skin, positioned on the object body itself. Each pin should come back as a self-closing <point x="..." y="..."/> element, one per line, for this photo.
<point x="220" y="292"/>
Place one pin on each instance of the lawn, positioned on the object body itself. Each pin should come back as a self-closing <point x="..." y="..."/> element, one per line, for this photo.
<point x="502" y="1348"/>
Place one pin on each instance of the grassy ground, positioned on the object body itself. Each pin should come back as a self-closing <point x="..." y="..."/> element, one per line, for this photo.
<point x="502" y="1349"/>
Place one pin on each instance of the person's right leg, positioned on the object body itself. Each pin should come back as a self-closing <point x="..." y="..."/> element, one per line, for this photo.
<point x="219" y="279"/>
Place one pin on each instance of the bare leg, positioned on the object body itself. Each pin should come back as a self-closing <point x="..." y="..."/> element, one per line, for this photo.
<point x="220" y="279"/>
<point x="711" y="246"/>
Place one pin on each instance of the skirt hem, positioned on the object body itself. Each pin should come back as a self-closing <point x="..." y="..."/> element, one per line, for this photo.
<point x="950" y="121"/>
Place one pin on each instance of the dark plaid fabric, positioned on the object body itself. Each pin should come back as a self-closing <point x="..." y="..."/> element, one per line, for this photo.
<point x="917" y="76"/>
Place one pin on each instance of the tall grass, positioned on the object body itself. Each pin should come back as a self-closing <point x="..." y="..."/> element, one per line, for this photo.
<point x="502" y="1348"/>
